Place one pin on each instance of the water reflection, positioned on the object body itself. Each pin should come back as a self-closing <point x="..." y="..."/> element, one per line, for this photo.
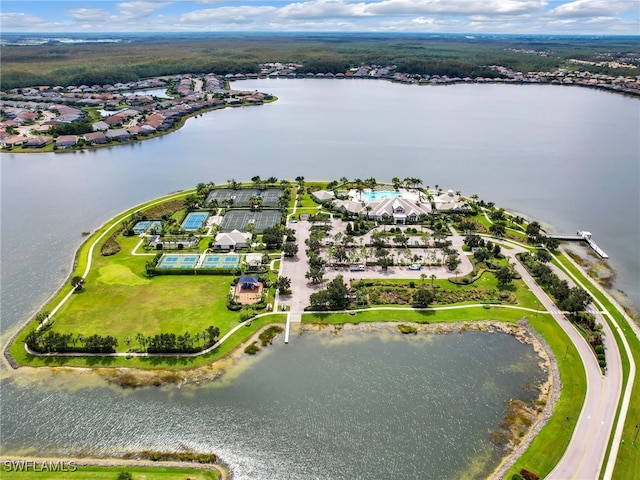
<point x="352" y="405"/>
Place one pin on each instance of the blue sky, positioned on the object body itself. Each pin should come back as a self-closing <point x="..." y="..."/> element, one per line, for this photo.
<point x="427" y="16"/>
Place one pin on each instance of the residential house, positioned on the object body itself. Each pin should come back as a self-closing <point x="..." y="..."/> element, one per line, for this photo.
<point x="38" y="142"/>
<point x="100" y="126"/>
<point x="66" y="141"/>
<point x="119" y="134"/>
<point x="95" y="138"/>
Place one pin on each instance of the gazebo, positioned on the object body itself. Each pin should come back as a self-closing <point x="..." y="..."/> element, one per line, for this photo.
<point x="247" y="282"/>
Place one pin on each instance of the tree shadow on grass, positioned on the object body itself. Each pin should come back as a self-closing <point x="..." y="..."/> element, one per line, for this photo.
<point x="425" y="315"/>
<point x="100" y="361"/>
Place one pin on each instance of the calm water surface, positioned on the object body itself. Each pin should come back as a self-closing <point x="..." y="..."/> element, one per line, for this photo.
<point x="350" y="406"/>
<point x="567" y="156"/>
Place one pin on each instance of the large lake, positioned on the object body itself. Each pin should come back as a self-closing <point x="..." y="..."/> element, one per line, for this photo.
<point x="569" y="157"/>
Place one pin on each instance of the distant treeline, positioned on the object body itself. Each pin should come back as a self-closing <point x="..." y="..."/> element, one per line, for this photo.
<point x="144" y="57"/>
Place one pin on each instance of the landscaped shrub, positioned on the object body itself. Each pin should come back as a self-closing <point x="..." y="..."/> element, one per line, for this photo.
<point x="252" y="349"/>
<point x="406" y="329"/>
<point x="527" y="475"/>
<point x="110" y="247"/>
<point x="267" y="336"/>
<point x="234" y="306"/>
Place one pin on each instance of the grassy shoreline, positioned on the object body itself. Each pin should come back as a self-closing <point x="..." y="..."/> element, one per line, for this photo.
<point x="542" y="455"/>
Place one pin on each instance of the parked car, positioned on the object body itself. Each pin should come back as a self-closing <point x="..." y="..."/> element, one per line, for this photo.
<point x="415" y="266"/>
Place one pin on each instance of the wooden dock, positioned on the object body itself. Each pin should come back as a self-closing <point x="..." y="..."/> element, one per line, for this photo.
<point x="582" y="236"/>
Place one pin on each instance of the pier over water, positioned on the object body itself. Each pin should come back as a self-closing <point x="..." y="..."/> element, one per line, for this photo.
<point x="582" y="235"/>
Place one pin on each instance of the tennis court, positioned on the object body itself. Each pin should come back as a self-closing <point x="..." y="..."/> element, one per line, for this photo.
<point x="178" y="261"/>
<point x="141" y="227"/>
<point x="147" y="225"/>
<point x="194" y="221"/>
<point x="240" y="220"/>
<point x="242" y="196"/>
<point x="221" y="261"/>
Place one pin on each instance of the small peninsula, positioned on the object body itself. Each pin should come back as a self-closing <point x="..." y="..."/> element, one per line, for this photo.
<point x="171" y="286"/>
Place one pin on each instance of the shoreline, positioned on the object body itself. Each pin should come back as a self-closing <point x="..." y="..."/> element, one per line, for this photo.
<point x="183" y="119"/>
<point x="224" y="472"/>
<point x="548" y="390"/>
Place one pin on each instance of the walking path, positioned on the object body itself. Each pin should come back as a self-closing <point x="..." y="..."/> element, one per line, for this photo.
<point x="585" y="454"/>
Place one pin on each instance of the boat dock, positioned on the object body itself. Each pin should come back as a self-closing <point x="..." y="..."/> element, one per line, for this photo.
<point x="582" y="236"/>
<point x="287" y="328"/>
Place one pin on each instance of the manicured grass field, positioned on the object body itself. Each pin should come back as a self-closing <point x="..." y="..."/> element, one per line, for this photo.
<point x="549" y="445"/>
<point x="628" y="460"/>
<point x="420" y="316"/>
<point x="119" y="300"/>
<point x="111" y="473"/>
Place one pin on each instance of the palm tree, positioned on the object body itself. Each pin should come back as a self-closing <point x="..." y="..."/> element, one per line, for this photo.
<point x="359" y="186"/>
<point x="371" y="182"/>
<point x="423" y="277"/>
<point x="433" y="277"/>
<point x="396" y="183"/>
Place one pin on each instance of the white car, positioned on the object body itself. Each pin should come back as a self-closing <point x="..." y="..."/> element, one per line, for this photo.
<point x="415" y="266"/>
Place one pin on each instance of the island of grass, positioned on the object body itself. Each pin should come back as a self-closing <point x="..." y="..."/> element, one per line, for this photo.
<point x="182" y="281"/>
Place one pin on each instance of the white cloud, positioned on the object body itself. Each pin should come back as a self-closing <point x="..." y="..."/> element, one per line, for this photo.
<point x="594" y="8"/>
<point x="88" y="14"/>
<point x="241" y="14"/>
<point x="455" y="7"/>
<point x="139" y="8"/>
<point x="322" y="9"/>
<point x="420" y="8"/>
<point x="20" y="20"/>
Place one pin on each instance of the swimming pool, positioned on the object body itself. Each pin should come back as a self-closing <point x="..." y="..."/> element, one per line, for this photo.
<point x="373" y="196"/>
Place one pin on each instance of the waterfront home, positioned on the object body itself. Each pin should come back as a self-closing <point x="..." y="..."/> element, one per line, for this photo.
<point x="38" y="142"/>
<point x="66" y="141"/>
<point x="119" y="134"/>
<point x="13" y="141"/>
<point x="95" y="137"/>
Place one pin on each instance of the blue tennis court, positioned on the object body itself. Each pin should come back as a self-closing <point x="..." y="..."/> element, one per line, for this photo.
<point x="221" y="261"/>
<point x="141" y="226"/>
<point x="147" y="225"/>
<point x="178" y="261"/>
<point x="194" y="221"/>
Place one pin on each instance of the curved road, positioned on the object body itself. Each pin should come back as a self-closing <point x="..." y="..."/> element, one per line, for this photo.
<point x="584" y="456"/>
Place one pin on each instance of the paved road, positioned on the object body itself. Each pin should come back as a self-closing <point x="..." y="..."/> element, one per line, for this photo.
<point x="585" y="453"/>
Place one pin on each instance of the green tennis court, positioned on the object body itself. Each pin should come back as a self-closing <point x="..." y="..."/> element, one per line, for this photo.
<point x="178" y="261"/>
<point x="221" y="261"/>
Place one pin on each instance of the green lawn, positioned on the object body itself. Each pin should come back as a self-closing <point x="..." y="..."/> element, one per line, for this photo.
<point x="119" y="301"/>
<point x="111" y="473"/>
<point x="550" y="444"/>
<point x="491" y="313"/>
<point x="628" y="459"/>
